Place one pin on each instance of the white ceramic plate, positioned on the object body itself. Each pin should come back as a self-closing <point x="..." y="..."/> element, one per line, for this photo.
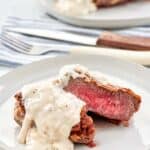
<point x="108" y="137"/>
<point x="130" y="14"/>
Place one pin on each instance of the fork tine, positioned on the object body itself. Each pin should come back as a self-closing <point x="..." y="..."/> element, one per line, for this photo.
<point x="17" y="40"/>
<point x="18" y="43"/>
<point x="14" y="45"/>
<point x="6" y="43"/>
<point x="5" y="40"/>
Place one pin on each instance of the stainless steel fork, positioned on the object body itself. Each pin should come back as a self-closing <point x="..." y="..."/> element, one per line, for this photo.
<point x="13" y="41"/>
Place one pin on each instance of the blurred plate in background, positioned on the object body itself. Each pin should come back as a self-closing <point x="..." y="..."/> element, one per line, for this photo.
<point x="125" y="15"/>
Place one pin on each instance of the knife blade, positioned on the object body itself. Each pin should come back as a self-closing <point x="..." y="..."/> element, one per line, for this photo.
<point x="107" y="39"/>
<point x="56" y="35"/>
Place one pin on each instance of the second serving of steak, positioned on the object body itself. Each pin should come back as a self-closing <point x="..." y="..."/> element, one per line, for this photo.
<point x="108" y="101"/>
<point x="106" y="3"/>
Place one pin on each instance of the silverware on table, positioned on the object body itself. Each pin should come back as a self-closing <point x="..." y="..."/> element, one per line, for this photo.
<point x="14" y="42"/>
<point x="108" y="39"/>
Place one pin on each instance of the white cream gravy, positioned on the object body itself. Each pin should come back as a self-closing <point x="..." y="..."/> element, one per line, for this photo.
<point x="54" y="112"/>
<point x="75" y="7"/>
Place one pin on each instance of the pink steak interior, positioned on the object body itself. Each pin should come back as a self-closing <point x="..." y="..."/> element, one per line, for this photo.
<point x="118" y="105"/>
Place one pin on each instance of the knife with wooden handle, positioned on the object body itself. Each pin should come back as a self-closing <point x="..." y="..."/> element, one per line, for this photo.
<point x="124" y="42"/>
<point x="107" y="39"/>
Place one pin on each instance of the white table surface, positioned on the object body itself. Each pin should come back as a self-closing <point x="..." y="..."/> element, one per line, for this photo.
<point x="19" y="8"/>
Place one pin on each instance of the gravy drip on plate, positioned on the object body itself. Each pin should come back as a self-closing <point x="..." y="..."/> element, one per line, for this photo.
<point x="50" y="115"/>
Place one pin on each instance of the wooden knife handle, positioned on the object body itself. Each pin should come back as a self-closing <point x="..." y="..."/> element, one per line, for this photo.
<point x="110" y="39"/>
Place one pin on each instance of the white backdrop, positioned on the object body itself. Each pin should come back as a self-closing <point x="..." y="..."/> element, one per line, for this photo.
<point x="20" y="8"/>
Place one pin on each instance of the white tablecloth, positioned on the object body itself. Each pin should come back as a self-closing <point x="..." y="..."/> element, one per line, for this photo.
<point x="19" y="8"/>
<point x="4" y="70"/>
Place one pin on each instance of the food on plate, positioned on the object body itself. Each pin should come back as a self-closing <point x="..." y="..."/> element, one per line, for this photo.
<point x="83" y="132"/>
<point x="49" y="116"/>
<point x="53" y="113"/>
<point x="75" y="7"/>
<point x="101" y="96"/>
<point x="83" y="7"/>
<point x="102" y="3"/>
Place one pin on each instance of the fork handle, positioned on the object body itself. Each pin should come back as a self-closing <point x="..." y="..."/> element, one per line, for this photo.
<point x="141" y="57"/>
<point x="110" y="39"/>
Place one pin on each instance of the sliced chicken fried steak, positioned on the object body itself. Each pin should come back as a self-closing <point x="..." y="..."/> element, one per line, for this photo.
<point x="99" y="95"/>
<point x="109" y="101"/>
<point x="82" y="133"/>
